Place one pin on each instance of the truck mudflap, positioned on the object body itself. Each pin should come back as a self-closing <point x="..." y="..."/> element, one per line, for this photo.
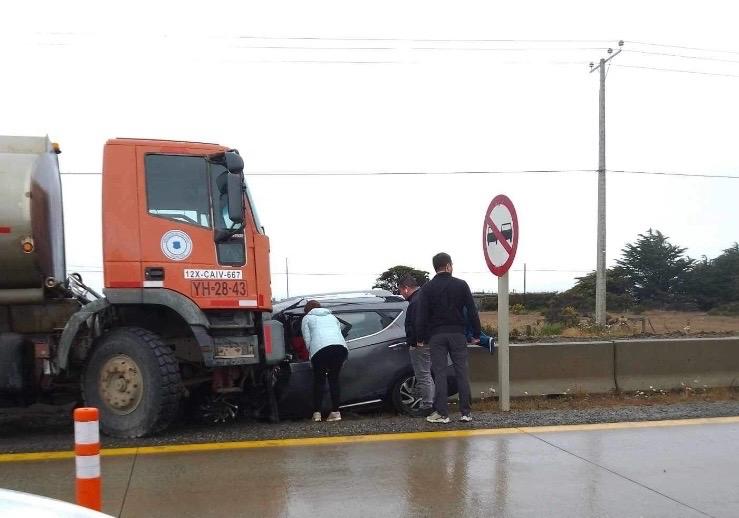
<point x="72" y="328"/>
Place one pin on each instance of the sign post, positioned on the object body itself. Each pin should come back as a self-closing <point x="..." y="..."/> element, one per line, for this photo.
<point x="499" y="245"/>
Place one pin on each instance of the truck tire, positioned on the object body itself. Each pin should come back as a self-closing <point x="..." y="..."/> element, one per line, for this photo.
<point x="133" y="378"/>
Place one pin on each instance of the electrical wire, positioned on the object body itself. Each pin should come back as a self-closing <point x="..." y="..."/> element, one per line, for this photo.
<point x="674" y="173"/>
<point x="352" y="39"/>
<point x="419" y="173"/>
<point x="451" y="173"/>
<point x="99" y="269"/>
<point x="684" y="56"/>
<point x="699" y="49"/>
<point x="391" y="173"/>
<point x="677" y="70"/>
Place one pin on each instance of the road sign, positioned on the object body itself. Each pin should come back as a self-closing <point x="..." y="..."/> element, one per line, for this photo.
<point x="500" y="235"/>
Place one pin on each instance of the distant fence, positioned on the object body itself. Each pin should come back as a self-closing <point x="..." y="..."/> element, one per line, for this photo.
<point x="598" y="367"/>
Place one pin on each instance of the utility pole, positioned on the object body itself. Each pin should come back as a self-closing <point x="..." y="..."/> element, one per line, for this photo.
<point x="524" y="283"/>
<point x="600" y="272"/>
<point x="287" y="279"/>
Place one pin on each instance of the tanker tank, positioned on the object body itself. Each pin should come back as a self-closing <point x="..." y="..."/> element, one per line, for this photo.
<point x="31" y="219"/>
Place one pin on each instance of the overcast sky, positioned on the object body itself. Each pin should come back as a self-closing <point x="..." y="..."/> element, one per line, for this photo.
<point x="337" y="87"/>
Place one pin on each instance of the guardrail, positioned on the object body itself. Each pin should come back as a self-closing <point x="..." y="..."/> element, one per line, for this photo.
<point x="605" y="366"/>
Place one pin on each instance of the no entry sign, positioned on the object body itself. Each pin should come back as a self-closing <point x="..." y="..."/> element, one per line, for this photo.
<point x="500" y="235"/>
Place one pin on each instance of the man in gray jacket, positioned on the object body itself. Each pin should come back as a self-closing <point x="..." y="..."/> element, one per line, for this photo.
<point x="420" y="356"/>
<point x="440" y="325"/>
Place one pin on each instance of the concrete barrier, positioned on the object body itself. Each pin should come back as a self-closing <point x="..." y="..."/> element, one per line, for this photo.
<point x="672" y="364"/>
<point x="598" y="367"/>
<point x="552" y="368"/>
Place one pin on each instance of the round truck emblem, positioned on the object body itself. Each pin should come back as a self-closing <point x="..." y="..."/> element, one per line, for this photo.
<point x="176" y="245"/>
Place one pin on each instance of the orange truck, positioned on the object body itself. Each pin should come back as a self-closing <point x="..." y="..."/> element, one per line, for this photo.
<point x="184" y="318"/>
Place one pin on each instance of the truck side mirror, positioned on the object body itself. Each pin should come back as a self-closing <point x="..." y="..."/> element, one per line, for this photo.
<point x="234" y="162"/>
<point x="235" y="197"/>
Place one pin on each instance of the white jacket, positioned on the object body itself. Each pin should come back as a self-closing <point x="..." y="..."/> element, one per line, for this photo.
<point x="321" y="329"/>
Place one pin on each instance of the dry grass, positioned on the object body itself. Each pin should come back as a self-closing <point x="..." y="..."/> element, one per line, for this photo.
<point x="639" y="398"/>
<point x="656" y="323"/>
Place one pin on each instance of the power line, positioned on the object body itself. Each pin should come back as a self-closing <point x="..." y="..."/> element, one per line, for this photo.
<point x="96" y="269"/>
<point x="352" y="39"/>
<point x="650" y="44"/>
<point x="453" y="173"/>
<point x="389" y="173"/>
<point x="417" y="173"/>
<point x="420" y="40"/>
<point x="672" y="173"/>
<point x="678" y="70"/>
<point x="491" y="49"/>
<point x="684" y="56"/>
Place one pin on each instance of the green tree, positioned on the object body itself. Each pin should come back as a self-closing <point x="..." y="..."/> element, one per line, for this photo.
<point x="618" y="291"/>
<point x="656" y="269"/>
<point x="390" y="278"/>
<point x="713" y="282"/>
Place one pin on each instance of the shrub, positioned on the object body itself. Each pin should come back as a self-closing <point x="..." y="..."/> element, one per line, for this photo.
<point x="517" y="309"/>
<point x="569" y="316"/>
<point x="731" y="309"/>
<point x="551" y="330"/>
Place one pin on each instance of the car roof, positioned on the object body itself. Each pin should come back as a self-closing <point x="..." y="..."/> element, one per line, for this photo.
<point x="356" y="300"/>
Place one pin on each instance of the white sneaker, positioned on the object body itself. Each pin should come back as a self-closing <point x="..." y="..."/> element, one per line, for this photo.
<point x="466" y="418"/>
<point x="317" y="416"/>
<point x="436" y="417"/>
<point x="334" y="416"/>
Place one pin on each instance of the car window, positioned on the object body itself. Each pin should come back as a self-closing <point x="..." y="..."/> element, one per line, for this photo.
<point x="365" y="323"/>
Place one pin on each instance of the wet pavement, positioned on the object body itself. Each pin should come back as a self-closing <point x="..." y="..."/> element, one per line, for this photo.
<point x="50" y="428"/>
<point x="687" y="468"/>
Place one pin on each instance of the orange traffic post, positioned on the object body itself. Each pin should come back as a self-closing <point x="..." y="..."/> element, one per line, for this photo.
<point x="87" y="457"/>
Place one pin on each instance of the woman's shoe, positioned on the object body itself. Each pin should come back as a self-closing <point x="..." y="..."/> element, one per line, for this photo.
<point x="334" y="416"/>
<point x="317" y="417"/>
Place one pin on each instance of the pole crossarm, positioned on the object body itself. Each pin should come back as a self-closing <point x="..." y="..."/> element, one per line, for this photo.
<point x="604" y="61"/>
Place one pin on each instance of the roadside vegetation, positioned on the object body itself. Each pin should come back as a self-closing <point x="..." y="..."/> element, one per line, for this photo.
<point x="654" y="289"/>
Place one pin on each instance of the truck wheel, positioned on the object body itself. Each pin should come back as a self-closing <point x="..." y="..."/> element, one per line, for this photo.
<point x="133" y="378"/>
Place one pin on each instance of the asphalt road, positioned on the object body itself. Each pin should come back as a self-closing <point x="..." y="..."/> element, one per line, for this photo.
<point x="684" y="468"/>
<point x="50" y="428"/>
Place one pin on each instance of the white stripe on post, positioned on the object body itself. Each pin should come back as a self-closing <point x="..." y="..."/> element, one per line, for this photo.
<point x="86" y="432"/>
<point x="87" y="466"/>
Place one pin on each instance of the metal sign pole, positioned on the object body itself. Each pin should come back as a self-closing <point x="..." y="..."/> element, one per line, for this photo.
<point x="503" y="363"/>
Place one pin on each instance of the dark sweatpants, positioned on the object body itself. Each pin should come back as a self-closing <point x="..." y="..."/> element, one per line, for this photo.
<point x="327" y="364"/>
<point x="455" y="345"/>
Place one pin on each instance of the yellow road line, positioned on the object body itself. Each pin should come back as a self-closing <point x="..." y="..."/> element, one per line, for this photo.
<point x="354" y="439"/>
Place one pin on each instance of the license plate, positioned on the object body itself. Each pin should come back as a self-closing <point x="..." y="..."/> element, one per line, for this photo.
<point x="218" y="288"/>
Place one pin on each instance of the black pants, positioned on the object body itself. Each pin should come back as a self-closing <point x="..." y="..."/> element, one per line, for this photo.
<point x="327" y="364"/>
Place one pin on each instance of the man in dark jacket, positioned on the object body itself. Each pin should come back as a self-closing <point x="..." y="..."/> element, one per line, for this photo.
<point x="440" y="325"/>
<point x="420" y="356"/>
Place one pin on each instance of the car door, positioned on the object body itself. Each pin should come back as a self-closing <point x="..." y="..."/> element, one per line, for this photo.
<point x="377" y="351"/>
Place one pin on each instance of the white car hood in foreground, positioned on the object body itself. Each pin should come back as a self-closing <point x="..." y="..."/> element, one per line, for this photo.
<point x="14" y="504"/>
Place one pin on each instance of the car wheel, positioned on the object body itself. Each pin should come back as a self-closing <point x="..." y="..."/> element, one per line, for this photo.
<point x="406" y="399"/>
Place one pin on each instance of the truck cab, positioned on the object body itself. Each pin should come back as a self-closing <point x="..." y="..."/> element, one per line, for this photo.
<point x="186" y="300"/>
<point x="168" y="240"/>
